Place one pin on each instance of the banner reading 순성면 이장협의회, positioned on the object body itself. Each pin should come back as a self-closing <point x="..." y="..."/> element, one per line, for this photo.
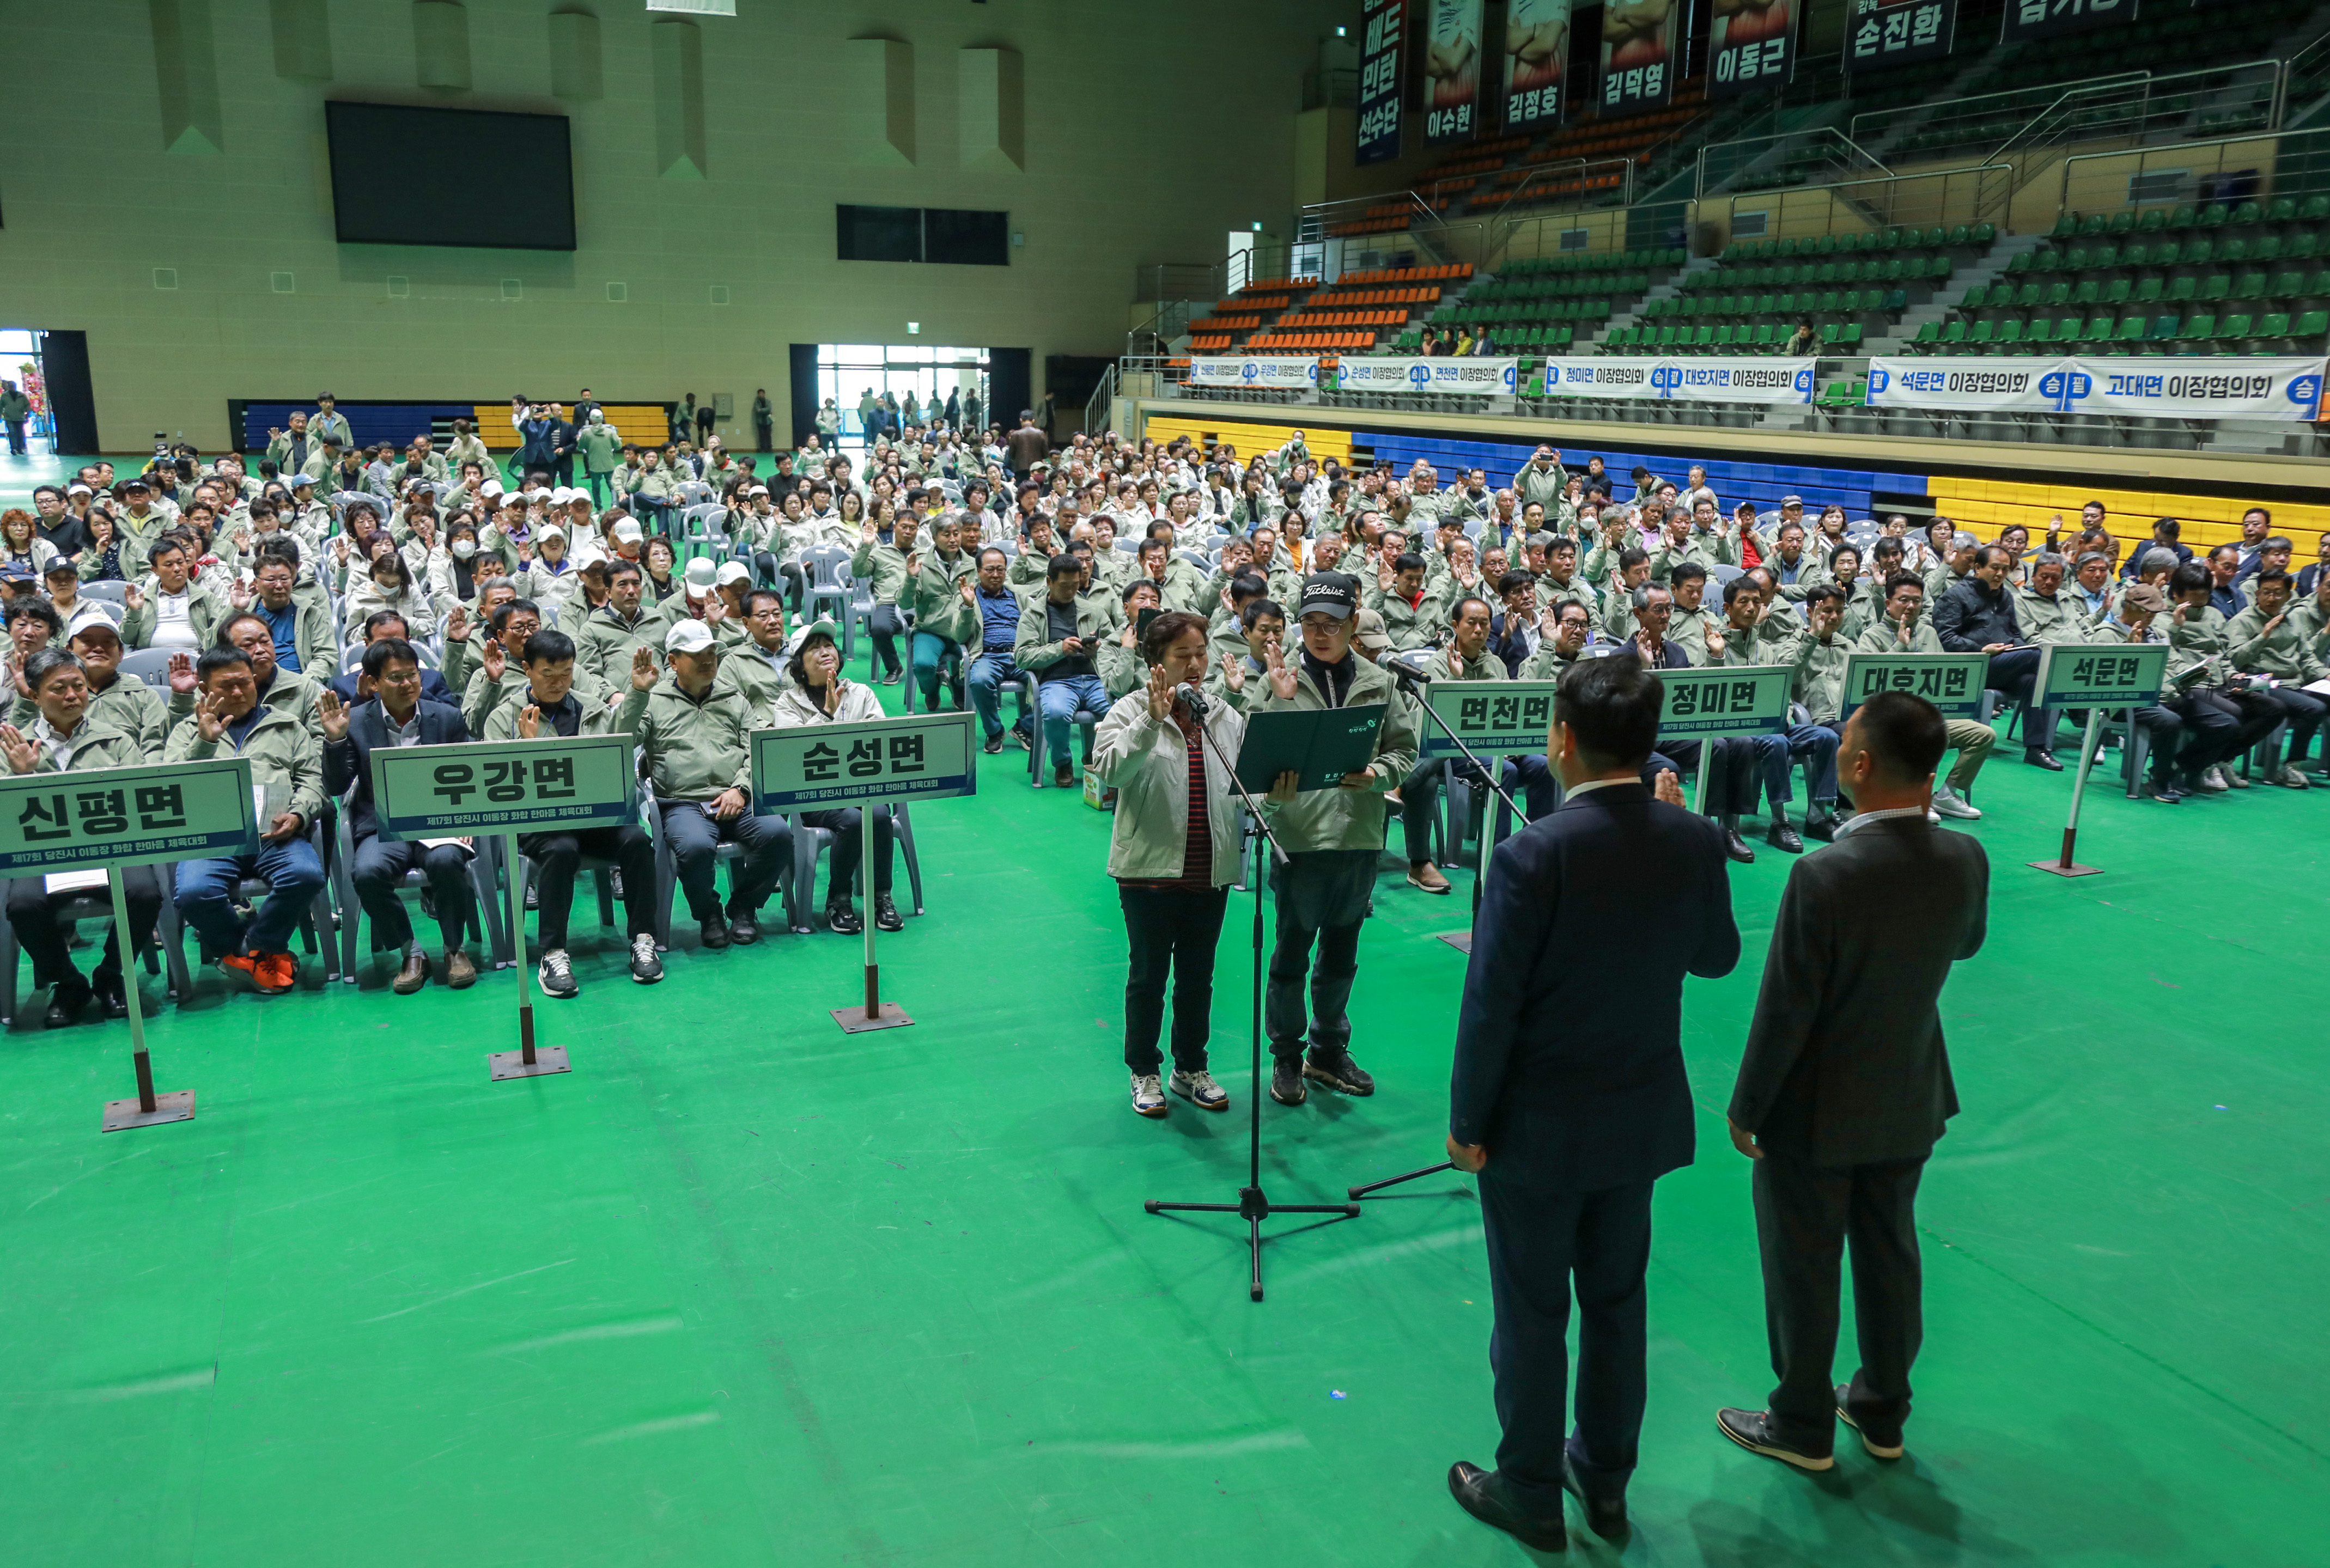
<point x="2189" y="387"/>
<point x="1301" y="370"/>
<point x="1466" y="377"/>
<point x="1536" y="54"/>
<point x="1451" y="71"/>
<point x="1708" y="380"/>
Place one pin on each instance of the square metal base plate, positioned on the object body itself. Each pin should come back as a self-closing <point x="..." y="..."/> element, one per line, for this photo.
<point x="853" y="1021"/>
<point x="512" y="1063"/>
<point x="176" y="1106"/>
<point x="2057" y="868"/>
<point x="1461" y="940"/>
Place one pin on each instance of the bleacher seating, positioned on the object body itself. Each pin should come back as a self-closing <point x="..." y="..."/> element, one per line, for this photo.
<point x="1758" y="292"/>
<point x="1347" y="317"/>
<point x="1546" y="302"/>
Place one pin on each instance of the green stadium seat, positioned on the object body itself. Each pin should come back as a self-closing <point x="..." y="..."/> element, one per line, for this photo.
<point x="2024" y="297"/>
<point x="2268" y="249"/>
<point x="1985" y="332"/>
<point x="2197" y="327"/>
<point x="2219" y="284"/>
<point x="2275" y="323"/>
<point x="2041" y="331"/>
<point x="2183" y="218"/>
<point x="2248" y="212"/>
<point x="2009" y="331"/>
<point x="2181" y="289"/>
<point x="2197" y="252"/>
<point x="2090" y="291"/>
<point x="2093" y="224"/>
<point x="2233" y="251"/>
<point x="2117" y="290"/>
<point x="1768" y="335"/>
<point x="2048" y="260"/>
<point x="2150" y="290"/>
<point x="2124" y="220"/>
<point x="2214" y="215"/>
<point x="2065" y="225"/>
<point x="1930" y="333"/>
<point x="2234" y="327"/>
<point x="2019" y="263"/>
<point x="1897" y="300"/>
<point x="1975" y="296"/>
<point x="2057" y="294"/>
<point x="2315" y="210"/>
<point x="2164" y="328"/>
<point x="1984" y="234"/>
<point x="1955" y="332"/>
<point x="2312" y="323"/>
<point x="2284" y="209"/>
<point x="2252" y="286"/>
<point x="1958" y="236"/>
<point x="2153" y="220"/>
<point x="2131" y="330"/>
<point x="1723" y="336"/>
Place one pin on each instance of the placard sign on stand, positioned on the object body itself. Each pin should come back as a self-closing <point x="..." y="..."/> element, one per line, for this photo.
<point x="1723" y="700"/>
<point x="2093" y="676"/>
<point x="830" y="767"/>
<point x="1951" y="682"/>
<point x="52" y="824"/>
<point x="473" y="789"/>
<point x="1494" y="717"/>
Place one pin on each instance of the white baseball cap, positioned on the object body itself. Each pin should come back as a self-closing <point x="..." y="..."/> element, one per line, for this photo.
<point x="626" y="530"/>
<point x="688" y="637"/>
<point x="733" y="572"/>
<point x="700" y="576"/>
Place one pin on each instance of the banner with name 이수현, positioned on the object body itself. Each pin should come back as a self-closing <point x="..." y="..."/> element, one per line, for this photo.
<point x="1897" y="32"/>
<point x="1536" y="54"/>
<point x="2187" y="387"/>
<point x="1383" y="45"/>
<point x="1710" y="379"/>
<point x="1268" y="370"/>
<point x="1451" y="71"/>
<point x="1752" y="46"/>
<point x="1642" y="50"/>
<point x="1445" y="377"/>
<point x="2043" y="18"/>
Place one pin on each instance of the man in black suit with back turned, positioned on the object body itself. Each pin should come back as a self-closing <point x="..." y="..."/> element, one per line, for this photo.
<point x="1845" y="1086"/>
<point x="1569" y="1096"/>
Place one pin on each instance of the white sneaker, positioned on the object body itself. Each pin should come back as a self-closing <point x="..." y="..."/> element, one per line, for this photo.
<point x="1148" y="1097"/>
<point x="1947" y="802"/>
<point x="556" y="974"/>
<point x="646" y="968"/>
<point x="2212" y="782"/>
<point x="1199" y="1089"/>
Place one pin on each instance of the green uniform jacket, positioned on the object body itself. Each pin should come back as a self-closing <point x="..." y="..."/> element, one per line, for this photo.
<point x="1820" y="675"/>
<point x="2202" y="635"/>
<point x="601" y="447"/>
<point x="1033" y="650"/>
<point x="1546" y="664"/>
<point x="204" y="611"/>
<point x="1027" y="569"/>
<point x="885" y="565"/>
<point x="2283" y="654"/>
<point x="937" y="602"/>
<point x="1686" y="629"/>
<point x="2061" y="618"/>
<point x="1884" y="637"/>
<point x="282" y="751"/>
<point x="604" y="644"/>
<point x="1412" y="626"/>
<point x="1345" y="818"/>
<point x="2313" y="623"/>
<point x="1544" y="487"/>
<point x="1122" y="670"/>
<point x="481" y="698"/>
<point x="98" y="745"/>
<point x="128" y="706"/>
<point x="598" y="719"/>
<point x="696" y="748"/>
<point x="1763" y="644"/>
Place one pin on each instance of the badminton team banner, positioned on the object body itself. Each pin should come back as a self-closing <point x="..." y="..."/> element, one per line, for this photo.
<point x="2250" y="387"/>
<point x="1699" y="379"/>
<point x="1466" y="377"/>
<point x="1273" y="370"/>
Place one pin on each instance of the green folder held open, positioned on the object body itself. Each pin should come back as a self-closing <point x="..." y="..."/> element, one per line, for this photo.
<point x="1319" y="745"/>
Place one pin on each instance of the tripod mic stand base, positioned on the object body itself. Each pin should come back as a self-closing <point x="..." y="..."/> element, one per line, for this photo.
<point x="1461" y="940"/>
<point x="1254" y="1208"/>
<point x="1361" y="1191"/>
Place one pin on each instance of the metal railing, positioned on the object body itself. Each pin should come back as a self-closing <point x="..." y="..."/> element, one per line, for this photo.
<point x="2237" y="98"/>
<point x="1878" y="127"/>
<point x="1545" y="177"/>
<point x="2304" y="77"/>
<point x="1161" y="280"/>
<point x="1834" y="152"/>
<point x="1940" y="198"/>
<point x="2280" y="164"/>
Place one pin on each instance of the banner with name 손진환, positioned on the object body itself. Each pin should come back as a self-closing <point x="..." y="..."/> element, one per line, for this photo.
<point x="1642" y="50"/>
<point x="2190" y="387"/>
<point x="1730" y="379"/>
<point x="1448" y="376"/>
<point x="1897" y="32"/>
<point x="1451" y="71"/>
<point x="1752" y="45"/>
<point x="1295" y="370"/>
<point x="1537" y="56"/>
<point x="1383" y="45"/>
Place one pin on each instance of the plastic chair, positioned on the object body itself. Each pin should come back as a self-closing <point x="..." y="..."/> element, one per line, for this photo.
<point x="811" y="842"/>
<point x="1085" y="720"/>
<point x="704" y="531"/>
<point x="343" y="891"/>
<point x="96" y="903"/>
<point x="314" y="924"/>
<point x="827" y="569"/>
<point x="667" y="875"/>
<point x="105" y="592"/>
<point x="152" y="665"/>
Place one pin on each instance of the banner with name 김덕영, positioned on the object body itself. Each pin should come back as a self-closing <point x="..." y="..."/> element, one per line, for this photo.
<point x="2188" y="387"/>
<point x="1446" y="377"/>
<point x="1748" y="379"/>
<point x="1266" y="370"/>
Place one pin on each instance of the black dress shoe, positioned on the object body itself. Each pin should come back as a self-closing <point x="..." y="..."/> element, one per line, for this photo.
<point x="713" y="933"/>
<point x="1782" y="837"/>
<point x="1880" y="1444"/>
<point x="65" y="1004"/>
<point x="1752" y="1429"/>
<point x="743" y="930"/>
<point x="1736" y="847"/>
<point x="2047" y="760"/>
<point x="885" y="914"/>
<point x="1481" y="1494"/>
<point x="1606" y="1517"/>
<point x="1820" y="824"/>
<point x="115" y="1004"/>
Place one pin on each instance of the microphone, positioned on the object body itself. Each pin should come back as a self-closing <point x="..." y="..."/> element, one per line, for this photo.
<point x="1408" y="677"/>
<point x="1187" y="697"/>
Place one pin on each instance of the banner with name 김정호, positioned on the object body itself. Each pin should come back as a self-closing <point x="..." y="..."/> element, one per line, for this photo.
<point x="1464" y="377"/>
<point x="2244" y="387"/>
<point x="1708" y="379"/>
<point x="1295" y="370"/>
<point x="1537" y="54"/>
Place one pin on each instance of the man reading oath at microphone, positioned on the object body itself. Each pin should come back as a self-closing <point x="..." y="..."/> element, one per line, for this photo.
<point x="1569" y="1097"/>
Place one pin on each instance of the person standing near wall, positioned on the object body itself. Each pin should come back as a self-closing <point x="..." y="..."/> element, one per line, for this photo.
<point x="765" y="422"/>
<point x="15" y="407"/>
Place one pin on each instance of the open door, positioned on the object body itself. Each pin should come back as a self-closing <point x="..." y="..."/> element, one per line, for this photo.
<point x="64" y="365"/>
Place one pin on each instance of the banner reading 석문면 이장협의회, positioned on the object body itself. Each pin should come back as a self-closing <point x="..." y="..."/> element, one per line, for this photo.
<point x="2189" y="387"/>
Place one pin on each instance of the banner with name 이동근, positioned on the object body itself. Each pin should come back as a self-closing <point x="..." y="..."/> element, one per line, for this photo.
<point x="1446" y="377"/>
<point x="2187" y="387"/>
<point x="1285" y="371"/>
<point x="1731" y="379"/>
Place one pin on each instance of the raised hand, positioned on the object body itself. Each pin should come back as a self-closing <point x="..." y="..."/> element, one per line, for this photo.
<point x="456" y="625"/>
<point x="495" y="660"/>
<point x="1455" y="662"/>
<point x="1901" y="636"/>
<point x="207" y="718"/>
<point x="23" y="757"/>
<point x="182" y="675"/>
<point x="1668" y="787"/>
<point x="1283" y="684"/>
<point x="238" y="594"/>
<point x="867" y="533"/>
<point x="332" y="715"/>
<point x="643" y="668"/>
<point x="1234" y="672"/>
<point x="529" y="721"/>
<point x="131" y="598"/>
<point x="1161" y="694"/>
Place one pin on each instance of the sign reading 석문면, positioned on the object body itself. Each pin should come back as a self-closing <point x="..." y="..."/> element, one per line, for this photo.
<point x="823" y="766"/>
<point x="1490" y="716"/>
<point x="1951" y="682"/>
<point x="126" y="816"/>
<point x="1725" y="700"/>
<point x="504" y="787"/>
<point x="2100" y="674"/>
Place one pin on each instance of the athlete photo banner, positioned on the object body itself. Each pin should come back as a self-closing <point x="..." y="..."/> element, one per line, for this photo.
<point x="1383" y="43"/>
<point x="1897" y="32"/>
<point x="1752" y="45"/>
<point x="1269" y="371"/>
<point x="1642" y="50"/>
<point x="2043" y="18"/>
<point x="2247" y="387"/>
<point x="1451" y="71"/>
<point x="1537" y="52"/>
<point x="1464" y="377"/>
<point x="1699" y="379"/>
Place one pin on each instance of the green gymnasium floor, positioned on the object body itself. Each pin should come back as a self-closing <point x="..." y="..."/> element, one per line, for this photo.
<point x="741" y="1290"/>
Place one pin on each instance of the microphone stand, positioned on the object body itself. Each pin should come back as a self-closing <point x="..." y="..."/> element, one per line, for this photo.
<point x="1252" y="1205"/>
<point x="1409" y="680"/>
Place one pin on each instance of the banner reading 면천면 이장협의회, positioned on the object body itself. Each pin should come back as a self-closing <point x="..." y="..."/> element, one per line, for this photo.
<point x="1267" y="370"/>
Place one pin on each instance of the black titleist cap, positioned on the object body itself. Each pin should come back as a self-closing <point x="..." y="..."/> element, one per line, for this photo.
<point x="1333" y="593"/>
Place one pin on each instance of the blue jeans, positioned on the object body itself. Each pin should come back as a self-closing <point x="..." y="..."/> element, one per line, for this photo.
<point x="650" y="510"/>
<point x="600" y="489"/>
<point x="1817" y="742"/>
<point x="696" y="836"/>
<point x="206" y="890"/>
<point x="988" y="674"/>
<point x="932" y="653"/>
<point x="1059" y="701"/>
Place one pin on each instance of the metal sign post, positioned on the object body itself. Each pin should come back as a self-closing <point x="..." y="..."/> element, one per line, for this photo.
<point x="1718" y="700"/>
<point x="473" y="789"/>
<point x="2093" y="676"/>
<point x="827" y="767"/>
<point x="1497" y="719"/>
<point x="118" y="817"/>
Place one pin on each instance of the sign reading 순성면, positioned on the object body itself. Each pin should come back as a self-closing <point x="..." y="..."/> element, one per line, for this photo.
<point x="1467" y="377"/>
<point x="1489" y="716"/>
<point x="1951" y="682"/>
<point x="504" y="787"/>
<point x="1725" y="700"/>
<point x="126" y="816"/>
<point x="1296" y="371"/>
<point x="816" y="766"/>
<point x="2100" y="674"/>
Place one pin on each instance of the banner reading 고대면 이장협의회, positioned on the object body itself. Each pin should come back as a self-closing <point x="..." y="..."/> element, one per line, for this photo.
<point x="2187" y="387"/>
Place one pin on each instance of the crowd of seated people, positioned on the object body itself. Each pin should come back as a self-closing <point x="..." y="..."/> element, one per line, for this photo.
<point x="445" y="598"/>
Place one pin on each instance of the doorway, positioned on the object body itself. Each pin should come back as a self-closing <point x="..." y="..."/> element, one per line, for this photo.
<point x="20" y="364"/>
<point x="856" y="376"/>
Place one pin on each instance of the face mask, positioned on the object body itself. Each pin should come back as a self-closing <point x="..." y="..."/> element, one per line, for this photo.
<point x="465" y="548"/>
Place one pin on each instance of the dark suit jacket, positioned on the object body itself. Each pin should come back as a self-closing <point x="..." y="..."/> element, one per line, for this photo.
<point x="1508" y="650"/>
<point x="433" y="688"/>
<point x="350" y="762"/>
<point x="1568" y="1049"/>
<point x="1845" y="1063"/>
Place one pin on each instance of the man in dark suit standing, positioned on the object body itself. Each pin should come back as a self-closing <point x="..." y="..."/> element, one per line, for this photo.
<point x="399" y="716"/>
<point x="1845" y="1086"/>
<point x="1569" y="1096"/>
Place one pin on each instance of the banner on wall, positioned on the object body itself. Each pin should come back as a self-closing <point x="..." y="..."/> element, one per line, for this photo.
<point x="1752" y="46"/>
<point x="1537" y="52"/>
<point x="1642" y="52"/>
<point x="1268" y="371"/>
<point x="1383" y="43"/>
<point x="1451" y="71"/>
<point x="2043" y="18"/>
<point x="1445" y="377"/>
<point x="2250" y="387"/>
<point x="1705" y="379"/>
<point x="1897" y="32"/>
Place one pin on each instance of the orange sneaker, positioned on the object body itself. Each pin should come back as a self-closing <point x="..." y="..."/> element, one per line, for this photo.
<point x="235" y="964"/>
<point x="276" y="973"/>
